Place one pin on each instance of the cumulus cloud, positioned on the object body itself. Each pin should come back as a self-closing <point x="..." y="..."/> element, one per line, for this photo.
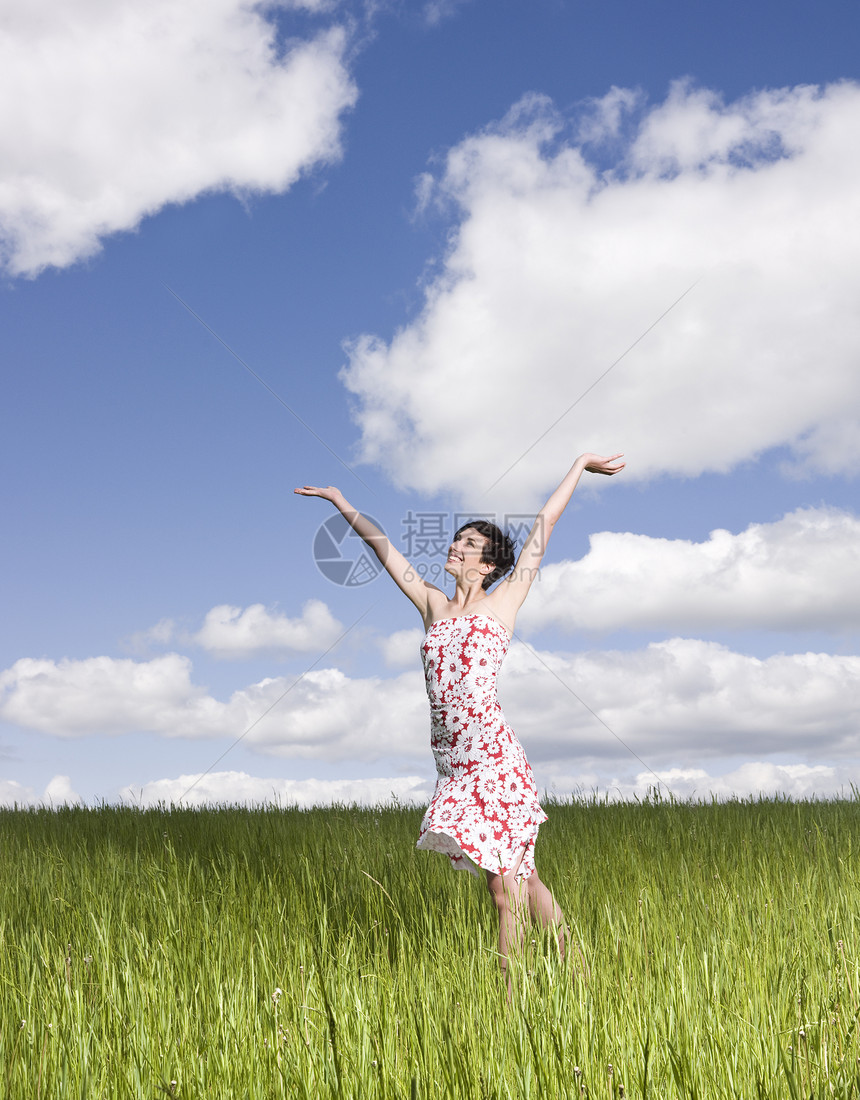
<point x="239" y="788"/>
<point x="70" y="698"/>
<point x="233" y="632"/>
<point x="797" y="573"/>
<point x="59" y="792"/>
<point x="122" y="107"/>
<point x="13" y="793"/>
<point x="322" y="714"/>
<point x="557" y="264"/>
<point x="680" y="701"/>
<point x="332" y="716"/>
<point x="751" y="780"/>
<point x="400" y="649"/>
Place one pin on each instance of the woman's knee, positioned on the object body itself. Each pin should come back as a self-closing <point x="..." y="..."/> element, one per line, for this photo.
<point x="505" y="890"/>
<point x="533" y="885"/>
<point x="496" y="888"/>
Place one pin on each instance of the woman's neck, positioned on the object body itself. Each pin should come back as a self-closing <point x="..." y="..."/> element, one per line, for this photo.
<point x="466" y="596"/>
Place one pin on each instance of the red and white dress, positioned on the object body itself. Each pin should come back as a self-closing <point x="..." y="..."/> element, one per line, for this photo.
<point x="485" y="808"/>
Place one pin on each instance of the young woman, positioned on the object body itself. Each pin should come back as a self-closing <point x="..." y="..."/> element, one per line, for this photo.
<point x="484" y="813"/>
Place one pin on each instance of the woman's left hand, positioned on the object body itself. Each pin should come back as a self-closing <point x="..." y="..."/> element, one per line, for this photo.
<point x="597" y="464"/>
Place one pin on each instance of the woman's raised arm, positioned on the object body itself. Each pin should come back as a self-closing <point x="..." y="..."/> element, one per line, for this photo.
<point x="392" y="561"/>
<point x="509" y="595"/>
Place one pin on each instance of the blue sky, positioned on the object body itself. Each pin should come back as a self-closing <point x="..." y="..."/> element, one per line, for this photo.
<point x="429" y="228"/>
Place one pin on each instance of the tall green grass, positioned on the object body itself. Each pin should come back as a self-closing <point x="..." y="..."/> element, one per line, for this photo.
<point x="268" y="953"/>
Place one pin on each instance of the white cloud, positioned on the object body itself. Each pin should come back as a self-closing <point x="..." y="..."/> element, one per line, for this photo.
<point x="797" y="573"/>
<point x="750" y="780"/>
<point x="437" y="11"/>
<point x="678" y="702"/>
<point x="316" y="6"/>
<point x="141" y="642"/>
<point x="602" y="118"/>
<point x="557" y="266"/>
<point x="58" y="792"/>
<point x="71" y="698"/>
<point x="401" y="649"/>
<point x="243" y="789"/>
<point x="232" y="632"/>
<point x="117" y="108"/>
<point x="322" y="714"/>
<point x="331" y="716"/>
<point x="682" y="701"/>
<point x="13" y="793"/>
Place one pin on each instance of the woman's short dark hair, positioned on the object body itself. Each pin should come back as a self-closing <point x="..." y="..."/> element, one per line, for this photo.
<point x="499" y="549"/>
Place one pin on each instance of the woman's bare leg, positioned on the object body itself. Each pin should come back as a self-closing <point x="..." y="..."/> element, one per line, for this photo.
<point x="513" y="897"/>
<point x="544" y="909"/>
<point x="510" y="896"/>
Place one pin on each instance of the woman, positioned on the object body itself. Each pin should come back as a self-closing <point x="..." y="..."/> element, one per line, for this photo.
<point x="484" y="813"/>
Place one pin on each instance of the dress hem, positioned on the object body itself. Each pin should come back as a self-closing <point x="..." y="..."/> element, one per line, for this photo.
<point x="446" y="844"/>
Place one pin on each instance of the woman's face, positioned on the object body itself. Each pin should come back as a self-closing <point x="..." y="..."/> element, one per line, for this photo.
<point x="464" y="556"/>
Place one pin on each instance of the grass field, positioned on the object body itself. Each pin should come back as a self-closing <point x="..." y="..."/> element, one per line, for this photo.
<point x="268" y="953"/>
